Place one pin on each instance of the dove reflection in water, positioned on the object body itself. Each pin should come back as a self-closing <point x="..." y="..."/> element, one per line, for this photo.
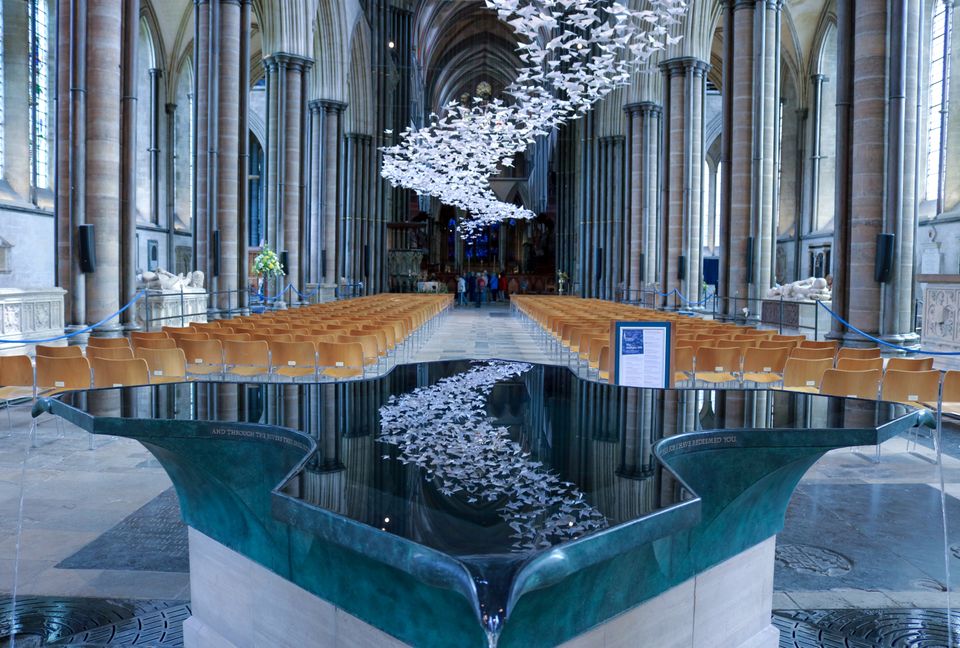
<point x="573" y="53"/>
<point x="444" y="431"/>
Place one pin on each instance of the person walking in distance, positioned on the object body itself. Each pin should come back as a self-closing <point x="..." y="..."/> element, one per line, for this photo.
<point x="461" y="291"/>
<point x="494" y="287"/>
<point x="481" y="288"/>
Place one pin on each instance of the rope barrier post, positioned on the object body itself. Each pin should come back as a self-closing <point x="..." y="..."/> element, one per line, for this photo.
<point x="181" y="307"/>
<point x="714" y="303"/>
<point x="781" y="314"/>
<point x="676" y="299"/>
<point x="816" y="321"/>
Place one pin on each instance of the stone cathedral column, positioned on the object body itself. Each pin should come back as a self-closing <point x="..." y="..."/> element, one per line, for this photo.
<point x="102" y="159"/>
<point x="643" y="140"/>
<point x="683" y="159"/>
<point x="71" y="139"/>
<point x="128" y="156"/>
<point x="877" y="92"/>
<point x="750" y="132"/>
<point x="329" y="133"/>
<point x="286" y="99"/>
<point x="218" y="170"/>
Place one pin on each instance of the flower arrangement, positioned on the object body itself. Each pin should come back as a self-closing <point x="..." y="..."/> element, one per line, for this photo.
<point x="267" y="263"/>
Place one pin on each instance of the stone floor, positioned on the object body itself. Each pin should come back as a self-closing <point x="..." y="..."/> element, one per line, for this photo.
<point x="863" y="544"/>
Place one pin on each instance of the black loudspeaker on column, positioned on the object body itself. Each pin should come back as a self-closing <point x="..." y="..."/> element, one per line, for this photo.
<point x="883" y="267"/>
<point x="643" y="267"/>
<point x="681" y="266"/>
<point x="88" y="250"/>
<point x="284" y="259"/>
<point x="216" y="253"/>
<point x="323" y="264"/>
<point x="599" y="264"/>
<point x="749" y="259"/>
<point x="366" y="260"/>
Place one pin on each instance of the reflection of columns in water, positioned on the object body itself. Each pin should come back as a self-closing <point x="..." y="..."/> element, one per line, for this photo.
<point x="227" y="401"/>
<point x="291" y="406"/>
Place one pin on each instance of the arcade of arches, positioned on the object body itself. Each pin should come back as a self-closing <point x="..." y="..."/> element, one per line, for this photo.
<point x="778" y="137"/>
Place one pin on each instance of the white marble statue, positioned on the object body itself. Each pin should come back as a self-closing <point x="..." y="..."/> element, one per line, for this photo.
<point x="810" y="289"/>
<point x="169" y="282"/>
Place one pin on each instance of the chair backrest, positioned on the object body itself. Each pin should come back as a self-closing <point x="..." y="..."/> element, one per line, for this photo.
<point x="293" y="354"/>
<point x="789" y="338"/>
<point x="951" y="386"/>
<point x="605" y="361"/>
<point x="851" y="352"/>
<point x="337" y="354"/>
<point x="820" y="344"/>
<point x="202" y="352"/>
<point x="110" y="353"/>
<point x="777" y="344"/>
<point x="63" y="373"/>
<point x="735" y="344"/>
<point x="119" y="373"/>
<point x="910" y="364"/>
<point x="683" y="359"/>
<point x="148" y="335"/>
<point x="59" y="351"/>
<point x="16" y="371"/>
<point x="189" y="336"/>
<point x="910" y="386"/>
<point x="859" y="364"/>
<point x="104" y="343"/>
<point x="853" y="384"/>
<point x="760" y="360"/>
<point x="717" y="359"/>
<point x="254" y="353"/>
<point x="164" y="363"/>
<point x="231" y="337"/>
<point x="804" y="353"/>
<point x="153" y="343"/>
<point x="367" y="342"/>
<point x="799" y="372"/>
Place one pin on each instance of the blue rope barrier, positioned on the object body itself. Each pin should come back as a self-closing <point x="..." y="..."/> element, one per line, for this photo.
<point x="690" y="302"/>
<point x="306" y="297"/>
<point x="883" y="342"/>
<point x="67" y="336"/>
<point x="270" y="300"/>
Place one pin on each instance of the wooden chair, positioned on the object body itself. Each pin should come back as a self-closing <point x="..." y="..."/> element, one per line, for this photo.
<point x="682" y="363"/>
<point x="850" y="384"/>
<point x="764" y="365"/>
<point x="272" y="337"/>
<point x="340" y="360"/>
<point x="119" y="373"/>
<point x="805" y="353"/>
<point x="16" y="378"/>
<point x="788" y="338"/>
<point x="859" y="364"/>
<point x="189" y="330"/>
<point x="951" y="386"/>
<point x="371" y="352"/>
<point x="109" y="353"/>
<point x="108" y="343"/>
<point x="59" y="351"/>
<point x="777" y="344"/>
<point x="805" y="375"/>
<point x="604" y="373"/>
<point x="153" y="343"/>
<point x="165" y="365"/>
<point x="246" y="357"/>
<point x="293" y="359"/>
<point x="821" y="344"/>
<point x="860" y="354"/>
<point x="910" y="364"/>
<point x="204" y="357"/>
<point x="735" y="344"/>
<point x="57" y="374"/>
<point x="716" y="365"/>
<point x="910" y="387"/>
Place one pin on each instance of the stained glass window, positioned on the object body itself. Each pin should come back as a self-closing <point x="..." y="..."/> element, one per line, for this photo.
<point x="937" y="87"/>
<point x="39" y="23"/>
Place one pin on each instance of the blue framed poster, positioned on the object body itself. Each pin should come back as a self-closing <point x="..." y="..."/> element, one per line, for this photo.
<point x="642" y="354"/>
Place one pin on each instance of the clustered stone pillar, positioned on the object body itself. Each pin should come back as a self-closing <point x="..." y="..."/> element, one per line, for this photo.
<point x="102" y="158"/>
<point x="219" y="172"/>
<point x="71" y="139"/>
<point x="286" y="99"/>
<point x="683" y="160"/>
<point x="750" y="125"/>
<point x="128" y="156"/>
<point x="329" y="126"/>
<point x="643" y="140"/>
<point x="877" y="92"/>
<point x="357" y="226"/>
